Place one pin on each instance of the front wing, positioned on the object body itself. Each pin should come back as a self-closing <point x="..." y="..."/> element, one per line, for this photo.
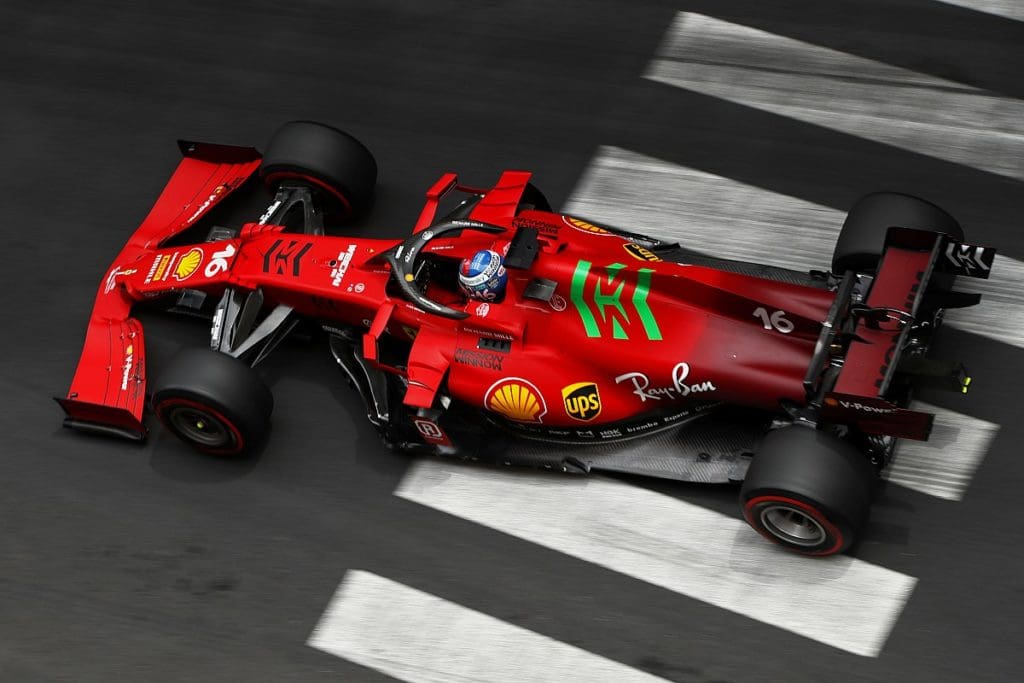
<point x="108" y="391"/>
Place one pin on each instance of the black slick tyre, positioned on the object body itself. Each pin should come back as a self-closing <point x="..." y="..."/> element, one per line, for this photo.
<point x="213" y="402"/>
<point x="862" y="238"/>
<point x="533" y="200"/>
<point x="328" y="160"/>
<point x="808" y="491"/>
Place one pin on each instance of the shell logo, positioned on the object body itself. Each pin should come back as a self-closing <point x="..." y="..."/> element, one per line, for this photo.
<point x="585" y="226"/>
<point x="188" y="264"/>
<point x="516" y="399"/>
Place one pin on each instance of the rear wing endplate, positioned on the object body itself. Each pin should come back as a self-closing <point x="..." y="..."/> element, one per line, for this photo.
<point x="881" y="328"/>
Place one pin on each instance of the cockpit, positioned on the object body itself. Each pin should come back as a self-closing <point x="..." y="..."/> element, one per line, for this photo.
<point x="413" y="270"/>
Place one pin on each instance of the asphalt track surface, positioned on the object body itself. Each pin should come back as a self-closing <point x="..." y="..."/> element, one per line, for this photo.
<point x="128" y="562"/>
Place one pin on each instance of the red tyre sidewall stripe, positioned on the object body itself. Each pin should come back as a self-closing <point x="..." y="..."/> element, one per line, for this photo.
<point x="160" y="408"/>
<point x="279" y="175"/>
<point x="813" y="512"/>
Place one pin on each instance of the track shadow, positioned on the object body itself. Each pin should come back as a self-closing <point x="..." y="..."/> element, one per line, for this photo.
<point x="173" y="459"/>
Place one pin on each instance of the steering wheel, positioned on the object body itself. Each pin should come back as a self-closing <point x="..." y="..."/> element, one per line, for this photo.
<point x="403" y="260"/>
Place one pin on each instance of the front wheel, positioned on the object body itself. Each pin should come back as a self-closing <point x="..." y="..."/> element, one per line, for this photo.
<point x="329" y="161"/>
<point x="808" y="491"/>
<point x="213" y="402"/>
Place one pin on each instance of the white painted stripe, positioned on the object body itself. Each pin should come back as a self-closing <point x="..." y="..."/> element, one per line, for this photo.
<point x="415" y="636"/>
<point x="840" y="601"/>
<point x="726" y="218"/>
<point x="836" y="90"/>
<point x="1011" y="9"/>
<point x="944" y="465"/>
<point x="705" y="212"/>
<point x="1000" y="315"/>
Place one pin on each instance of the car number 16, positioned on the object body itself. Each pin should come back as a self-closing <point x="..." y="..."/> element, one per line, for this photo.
<point x="776" y="321"/>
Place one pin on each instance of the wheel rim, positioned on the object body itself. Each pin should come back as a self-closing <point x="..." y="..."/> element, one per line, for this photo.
<point x="793" y="526"/>
<point x="200" y="427"/>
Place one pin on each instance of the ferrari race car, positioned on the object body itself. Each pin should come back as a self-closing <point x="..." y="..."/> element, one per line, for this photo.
<point x="605" y="351"/>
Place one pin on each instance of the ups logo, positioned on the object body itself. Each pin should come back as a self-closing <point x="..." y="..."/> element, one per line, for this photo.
<point x="582" y="401"/>
<point x="641" y="253"/>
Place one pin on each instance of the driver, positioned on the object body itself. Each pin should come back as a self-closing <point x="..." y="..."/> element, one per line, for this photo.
<point x="483" y="276"/>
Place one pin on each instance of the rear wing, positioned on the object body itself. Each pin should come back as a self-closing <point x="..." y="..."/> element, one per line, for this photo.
<point x="878" y="330"/>
<point x="108" y="391"/>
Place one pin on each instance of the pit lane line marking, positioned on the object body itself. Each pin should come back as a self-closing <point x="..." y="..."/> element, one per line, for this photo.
<point x="843" y="92"/>
<point x="1009" y="9"/>
<point x="685" y="548"/>
<point x="412" y="635"/>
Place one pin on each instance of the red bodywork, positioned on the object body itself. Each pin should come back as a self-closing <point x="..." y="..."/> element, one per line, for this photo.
<point x="110" y="384"/>
<point x="625" y="332"/>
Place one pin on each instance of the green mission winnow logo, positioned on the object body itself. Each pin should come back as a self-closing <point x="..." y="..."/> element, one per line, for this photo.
<point x="599" y="301"/>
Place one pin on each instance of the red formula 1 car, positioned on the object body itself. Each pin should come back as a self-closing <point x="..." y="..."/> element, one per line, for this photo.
<point x="607" y="351"/>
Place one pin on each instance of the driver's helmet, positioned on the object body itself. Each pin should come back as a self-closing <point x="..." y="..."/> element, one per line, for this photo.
<point x="483" y="276"/>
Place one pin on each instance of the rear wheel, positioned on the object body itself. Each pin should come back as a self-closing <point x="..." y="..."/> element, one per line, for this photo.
<point x="808" y="491"/>
<point x="330" y="161"/>
<point x="532" y="199"/>
<point x="862" y="238"/>
<point x="213" y="402"/>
